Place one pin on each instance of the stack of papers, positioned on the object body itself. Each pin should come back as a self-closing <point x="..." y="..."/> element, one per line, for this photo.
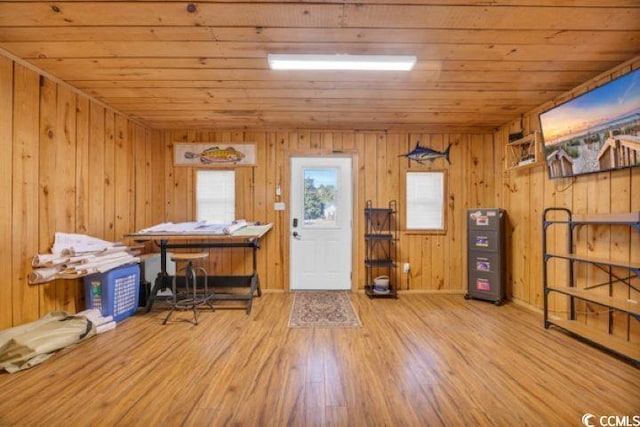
<point x="78" y="255"/>
<point x="196" y="227"/>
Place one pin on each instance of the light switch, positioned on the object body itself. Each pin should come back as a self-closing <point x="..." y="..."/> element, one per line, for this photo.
<point x="279" y="206"/>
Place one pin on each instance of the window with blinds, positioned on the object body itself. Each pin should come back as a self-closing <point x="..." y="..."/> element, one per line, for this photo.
<point x="425" y="200"/>
<point x="216" y="196"/>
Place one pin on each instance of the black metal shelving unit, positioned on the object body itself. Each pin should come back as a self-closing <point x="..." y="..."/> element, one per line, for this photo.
<point x="585" y="292"/>
<point x="380" y="247"/>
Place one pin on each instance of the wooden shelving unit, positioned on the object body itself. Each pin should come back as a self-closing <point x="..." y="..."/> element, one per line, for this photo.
<point x="616" y="344"/>
<point x="525" y="152"/>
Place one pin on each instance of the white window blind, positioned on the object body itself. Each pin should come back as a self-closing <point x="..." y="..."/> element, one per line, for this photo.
<point x="425" y="200"/>
<point x="216" y="196"/>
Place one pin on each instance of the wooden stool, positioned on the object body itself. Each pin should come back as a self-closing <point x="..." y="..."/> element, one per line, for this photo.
<point x="190" y="299"/>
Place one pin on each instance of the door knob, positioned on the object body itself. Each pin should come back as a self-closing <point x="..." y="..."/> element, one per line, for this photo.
<point x="296" y="235"/>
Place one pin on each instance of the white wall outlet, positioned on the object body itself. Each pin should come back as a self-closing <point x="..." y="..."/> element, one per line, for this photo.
<point x="279" y="206"/>
<point x="406" y="267"/>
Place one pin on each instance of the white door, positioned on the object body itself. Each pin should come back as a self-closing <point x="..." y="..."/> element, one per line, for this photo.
<point x="321" y="214"/>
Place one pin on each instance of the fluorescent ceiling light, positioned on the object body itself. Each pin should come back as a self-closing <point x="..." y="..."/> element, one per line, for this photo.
<point x="284" y="61"/>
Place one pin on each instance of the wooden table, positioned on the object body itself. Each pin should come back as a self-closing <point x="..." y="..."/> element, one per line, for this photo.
<point x="248" y="237"/>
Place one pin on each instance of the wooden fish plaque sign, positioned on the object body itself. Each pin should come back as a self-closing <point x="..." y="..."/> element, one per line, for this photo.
<point x="214" y="154"/>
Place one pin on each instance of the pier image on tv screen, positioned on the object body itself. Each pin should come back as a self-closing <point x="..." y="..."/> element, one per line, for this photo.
<point x="594" y="132"/>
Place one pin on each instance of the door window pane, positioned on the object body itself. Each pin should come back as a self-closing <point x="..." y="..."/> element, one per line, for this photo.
<point x="320" y="195"/>
<point x="216" y="196"/>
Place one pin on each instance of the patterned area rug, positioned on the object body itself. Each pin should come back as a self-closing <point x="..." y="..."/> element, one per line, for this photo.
<point x="322" y="310"/>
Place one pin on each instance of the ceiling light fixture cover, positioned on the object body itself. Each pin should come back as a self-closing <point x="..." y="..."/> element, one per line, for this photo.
<point x="285" y="61"/>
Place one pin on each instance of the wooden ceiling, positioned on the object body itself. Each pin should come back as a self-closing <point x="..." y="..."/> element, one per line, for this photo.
<point x="178" y="64"/>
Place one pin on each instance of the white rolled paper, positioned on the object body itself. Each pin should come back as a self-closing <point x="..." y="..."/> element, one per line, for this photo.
<point x="42" y="275"/>
<point x="237" y="225"/>
<point x="48" y="260"/>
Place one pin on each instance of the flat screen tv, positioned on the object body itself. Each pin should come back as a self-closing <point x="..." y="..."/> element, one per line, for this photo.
<point x="594" y="132"/>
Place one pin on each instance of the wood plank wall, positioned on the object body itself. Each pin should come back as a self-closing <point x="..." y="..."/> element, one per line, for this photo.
<point x="529" y="192"/>
<point x="68" y="164"/>
<point x="437" y="260"/>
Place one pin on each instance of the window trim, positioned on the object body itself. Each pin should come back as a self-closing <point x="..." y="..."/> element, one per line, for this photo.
<point x="445" y="198"/>
<point x="195" y="188"/>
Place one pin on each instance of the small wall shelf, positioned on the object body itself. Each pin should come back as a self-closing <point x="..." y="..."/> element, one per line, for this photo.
<point x="525" y="152"/>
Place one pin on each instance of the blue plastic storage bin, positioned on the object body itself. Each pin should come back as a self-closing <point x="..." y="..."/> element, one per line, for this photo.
<point x="115" y="292"/>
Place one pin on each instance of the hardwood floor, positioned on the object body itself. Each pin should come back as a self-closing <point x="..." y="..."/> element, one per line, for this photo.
<point x="419" y="360"/>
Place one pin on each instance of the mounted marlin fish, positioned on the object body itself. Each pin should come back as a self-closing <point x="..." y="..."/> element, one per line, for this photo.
<point x="420" y="154"/>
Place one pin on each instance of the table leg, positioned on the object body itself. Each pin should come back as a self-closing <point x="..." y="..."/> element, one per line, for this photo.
<point x="258" y="289"/>
<point x="160" y="282"/>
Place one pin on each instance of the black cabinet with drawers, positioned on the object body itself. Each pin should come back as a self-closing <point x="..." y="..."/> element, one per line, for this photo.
<point x="486" y="255"/>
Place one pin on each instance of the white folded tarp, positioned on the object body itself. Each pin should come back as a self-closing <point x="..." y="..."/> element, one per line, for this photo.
<point x="27" y="345"/>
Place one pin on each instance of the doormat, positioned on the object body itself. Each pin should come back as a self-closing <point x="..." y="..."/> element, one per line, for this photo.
<point x="322" y="310"/>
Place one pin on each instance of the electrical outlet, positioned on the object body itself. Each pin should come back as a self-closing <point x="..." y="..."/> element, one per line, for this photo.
<point x="406" y="267"/>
